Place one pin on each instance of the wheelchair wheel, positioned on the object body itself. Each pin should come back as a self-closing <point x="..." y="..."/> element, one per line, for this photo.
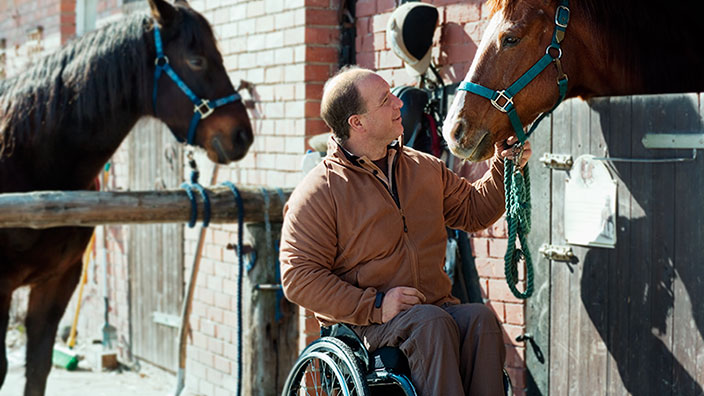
<point x="326" y="367"/>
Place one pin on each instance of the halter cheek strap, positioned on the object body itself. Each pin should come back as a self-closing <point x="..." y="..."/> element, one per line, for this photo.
<point x="503" y="100"/>
<point x="202" y="107"/>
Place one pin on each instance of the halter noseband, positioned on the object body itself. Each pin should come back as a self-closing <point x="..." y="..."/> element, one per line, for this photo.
<point x="202" y="107"/>
<point x="503" y="100"/>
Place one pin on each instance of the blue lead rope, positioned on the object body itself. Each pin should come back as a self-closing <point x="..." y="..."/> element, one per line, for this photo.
<point x="240" y="277"/>
<point x="202" y="107"/>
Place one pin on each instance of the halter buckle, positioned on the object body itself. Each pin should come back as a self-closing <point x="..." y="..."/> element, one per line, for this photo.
<point x="562" y="16"/>
<point x="203" y="108"/>
<point x="159" y="58"/>
<point x="502" y="107"/>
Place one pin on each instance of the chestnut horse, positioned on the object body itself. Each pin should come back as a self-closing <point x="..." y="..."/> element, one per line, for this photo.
<point x="610" y="47"/>
<point x="65" y="116"/>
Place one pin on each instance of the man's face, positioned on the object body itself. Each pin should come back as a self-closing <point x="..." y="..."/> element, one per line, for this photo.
<point x="382" y="119"/>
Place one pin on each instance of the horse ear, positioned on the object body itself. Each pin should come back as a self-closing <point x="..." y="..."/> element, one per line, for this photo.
<point x="163" y="12"/>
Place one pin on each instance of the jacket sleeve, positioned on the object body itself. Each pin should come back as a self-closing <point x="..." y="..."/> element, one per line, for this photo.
<point x="474" y="206"/>
<point x="307" y="253"/>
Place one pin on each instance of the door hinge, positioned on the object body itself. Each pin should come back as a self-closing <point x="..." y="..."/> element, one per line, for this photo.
<point x="557" y="161"/>
<point x="558" y="253"/>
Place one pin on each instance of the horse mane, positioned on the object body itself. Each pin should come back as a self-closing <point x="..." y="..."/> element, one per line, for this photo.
<point x="656" y="42"/>
<point x="88" y="79"/>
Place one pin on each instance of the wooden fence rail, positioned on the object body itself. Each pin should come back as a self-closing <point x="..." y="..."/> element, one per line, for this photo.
<point x="46" y="209"/>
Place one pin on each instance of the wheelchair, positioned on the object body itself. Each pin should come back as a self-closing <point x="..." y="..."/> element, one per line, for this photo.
<point x="339" y="364"/>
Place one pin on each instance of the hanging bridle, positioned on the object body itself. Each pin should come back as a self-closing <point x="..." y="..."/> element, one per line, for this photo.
<point x="503" y="100"/>
<point x="202" y="107"/>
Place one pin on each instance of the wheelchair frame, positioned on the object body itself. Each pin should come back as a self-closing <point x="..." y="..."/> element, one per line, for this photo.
<point x="339" y="364"/>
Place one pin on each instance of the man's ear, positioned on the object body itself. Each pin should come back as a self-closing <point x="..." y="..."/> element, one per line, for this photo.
<point x="355" y="122"/>
<point x="163" y="12"/>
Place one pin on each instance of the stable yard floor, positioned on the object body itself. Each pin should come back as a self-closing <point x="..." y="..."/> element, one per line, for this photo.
<point x="149" y="381"/>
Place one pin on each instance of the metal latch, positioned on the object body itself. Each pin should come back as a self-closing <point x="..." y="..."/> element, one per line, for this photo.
<point x="558" y="253"/>
<point x="557" y="161"/>
<point x="166" y="319"/>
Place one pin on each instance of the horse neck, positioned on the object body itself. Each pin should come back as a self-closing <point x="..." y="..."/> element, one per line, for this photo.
<point x="629" y="47"/>
<point x="106" y="102"/>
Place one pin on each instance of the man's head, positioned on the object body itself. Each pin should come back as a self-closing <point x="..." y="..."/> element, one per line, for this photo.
<point x="359" y="100"/>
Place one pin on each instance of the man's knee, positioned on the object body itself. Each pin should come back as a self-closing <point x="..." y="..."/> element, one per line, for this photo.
<point x="432" y="318"/>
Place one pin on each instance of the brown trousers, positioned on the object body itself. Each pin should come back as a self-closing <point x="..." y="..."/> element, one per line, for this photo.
<point x="452" y="350"/>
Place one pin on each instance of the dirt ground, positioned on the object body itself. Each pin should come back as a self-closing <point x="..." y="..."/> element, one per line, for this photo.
<point x="148" y="381"/>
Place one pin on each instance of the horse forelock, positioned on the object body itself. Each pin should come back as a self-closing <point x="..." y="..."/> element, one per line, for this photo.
<point x="88" y="79"/>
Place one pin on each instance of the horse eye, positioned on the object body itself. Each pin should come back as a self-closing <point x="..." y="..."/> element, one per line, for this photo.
<point x="197" y="62"/>
<point x="509" y="41"/>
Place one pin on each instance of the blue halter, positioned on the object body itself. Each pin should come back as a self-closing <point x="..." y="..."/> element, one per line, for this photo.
<point x="503" y="100"/>
<point x="202" y="107"/>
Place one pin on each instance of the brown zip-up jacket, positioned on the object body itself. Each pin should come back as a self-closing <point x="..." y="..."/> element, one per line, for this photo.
<point x="350" y="232"/>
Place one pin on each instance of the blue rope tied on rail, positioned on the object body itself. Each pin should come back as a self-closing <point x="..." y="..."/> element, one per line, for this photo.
<point x="189" y="187"/>
<point x="240" y="277"/>
<point x="518" y="210"/>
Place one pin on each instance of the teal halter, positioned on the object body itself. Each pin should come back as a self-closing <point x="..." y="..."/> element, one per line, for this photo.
<point x="202" y="107"/>
<point x="503" y="100"/>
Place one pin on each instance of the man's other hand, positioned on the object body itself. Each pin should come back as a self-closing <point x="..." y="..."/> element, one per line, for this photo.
<point x="399" y="299"/>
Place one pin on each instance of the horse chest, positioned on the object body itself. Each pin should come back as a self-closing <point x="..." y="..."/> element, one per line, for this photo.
<point x="29" y="256"/>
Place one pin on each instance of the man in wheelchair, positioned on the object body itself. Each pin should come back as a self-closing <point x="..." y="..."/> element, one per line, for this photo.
<point x="363" y="242"/>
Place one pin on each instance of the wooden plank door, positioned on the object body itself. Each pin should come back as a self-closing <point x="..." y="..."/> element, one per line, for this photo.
<point x="155" y="250"/>
<point x="628" y="320"/>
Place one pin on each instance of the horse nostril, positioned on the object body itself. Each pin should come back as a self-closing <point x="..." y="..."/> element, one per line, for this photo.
<point x="456" y="132"/>
<point x="242" y="137"/>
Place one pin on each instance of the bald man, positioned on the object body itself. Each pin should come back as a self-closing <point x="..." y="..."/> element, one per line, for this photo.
<point x="363" y="242"/>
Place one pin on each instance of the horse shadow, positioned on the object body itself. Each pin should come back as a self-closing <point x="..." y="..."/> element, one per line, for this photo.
<point x="646" y="297"/>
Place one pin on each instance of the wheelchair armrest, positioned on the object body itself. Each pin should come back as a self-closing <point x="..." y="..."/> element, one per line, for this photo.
<point x="391" y="359"/>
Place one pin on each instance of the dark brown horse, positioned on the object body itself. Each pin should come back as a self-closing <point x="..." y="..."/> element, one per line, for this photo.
<point x="62" y="119"/>
<point x="610" y="47"/>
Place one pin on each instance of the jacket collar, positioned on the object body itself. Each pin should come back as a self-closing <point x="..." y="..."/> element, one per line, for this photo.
<point x="336" y="150"/>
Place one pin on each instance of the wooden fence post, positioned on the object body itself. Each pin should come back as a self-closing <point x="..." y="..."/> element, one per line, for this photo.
<point x="270" y="346"/>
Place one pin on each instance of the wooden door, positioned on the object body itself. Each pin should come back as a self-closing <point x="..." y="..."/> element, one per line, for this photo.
<point x="628" y="320"/>
<point x="155" y="251"/>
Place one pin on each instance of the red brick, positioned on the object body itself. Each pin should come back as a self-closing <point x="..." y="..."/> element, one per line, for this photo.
<point x="311" y="338"/>
<point x="499" y="290"/>
<point x="362" y="25"/>
<point x="215" y="346"/>
<point x="365" y="43"/>
<point x="317" y="3"/>
<point x="314" y="91"/>
<point x="379" y="22"/>
<point x="366" y="59"/>
<point x="321" y="17"/>
<point x="459" y="53"/>
<point x="315" y="127"/>
<point x="463" y="12"/>
<point x="385" y="6"/>
<point x="511" y="332"/>
<point x="499" y="310"/>
<point x="365" y="8"/>
<point x="489" y="267"/>
<point x="315" y="35"/>
<point x="515" y="314"/>
<point x="319" y="73"/>
<point x="322" y="54"/>
<point x="312" y="109"/>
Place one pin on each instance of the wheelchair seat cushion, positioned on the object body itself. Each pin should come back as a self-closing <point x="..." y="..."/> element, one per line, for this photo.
<point x="389" y="358"/>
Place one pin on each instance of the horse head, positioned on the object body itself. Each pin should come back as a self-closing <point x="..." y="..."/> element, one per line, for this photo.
<point x="192" y="93"/>
<point x="518" y="36"/>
